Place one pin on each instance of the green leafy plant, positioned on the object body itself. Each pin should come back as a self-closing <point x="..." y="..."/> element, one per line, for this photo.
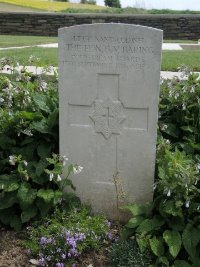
<point x="30" y="179"/>
<point x="60" y="239"/>
<point x="170" y="226"/>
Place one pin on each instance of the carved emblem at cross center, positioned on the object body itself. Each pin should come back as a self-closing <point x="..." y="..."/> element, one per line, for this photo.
<point x="107" y="117"/>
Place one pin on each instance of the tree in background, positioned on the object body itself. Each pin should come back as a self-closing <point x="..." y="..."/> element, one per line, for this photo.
<point x="112" y="3"/>
<point x="91" y="2"/>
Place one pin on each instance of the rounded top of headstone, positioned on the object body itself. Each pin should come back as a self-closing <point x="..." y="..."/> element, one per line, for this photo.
<point x="122" y="27"/>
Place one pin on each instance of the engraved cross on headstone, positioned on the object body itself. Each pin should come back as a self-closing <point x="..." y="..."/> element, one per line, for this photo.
<point x="108" y="113"/>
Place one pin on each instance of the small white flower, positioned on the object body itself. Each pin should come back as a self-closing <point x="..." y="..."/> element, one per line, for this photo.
<point x="25" y="162"/>
<point x="192" y="90"/>
<point x="26" y="177"/>
<point x="198" y="167"/>
<point x="184" y="106"/>
<point x="154" y="187"/>
<point x="170" y="93"/>
<point x="184" y="89"/>
<point x="27" y="132"/>
<point x="167" y="142"/>
<point x="59" y="178"/>
<point x="176" y="96"/>
<point x="12" y="160"/>
<point x="77" y="169"/>
<point x="64" y="160"/>
<point x="169" y="193"/>
<point x="51" y="176"/>
<point x="187" y="204"/>
<point x="1" y="100"/>
<point x="164" y="127"/>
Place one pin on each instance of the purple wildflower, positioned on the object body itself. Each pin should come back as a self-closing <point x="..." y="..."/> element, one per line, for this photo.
<point x="60" y="264"/>
<point x="63" y="256"/>
<point x="110" y="236"/>
<point x="42" y="262"/>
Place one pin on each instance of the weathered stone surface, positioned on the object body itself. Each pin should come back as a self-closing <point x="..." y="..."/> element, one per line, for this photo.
<point x="109" y="89"/>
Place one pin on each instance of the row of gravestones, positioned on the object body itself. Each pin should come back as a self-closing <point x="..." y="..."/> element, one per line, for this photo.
<point x="109" y="90"/>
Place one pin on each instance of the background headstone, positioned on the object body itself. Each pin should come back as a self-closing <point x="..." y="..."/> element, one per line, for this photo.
<point x="109" y="90"/>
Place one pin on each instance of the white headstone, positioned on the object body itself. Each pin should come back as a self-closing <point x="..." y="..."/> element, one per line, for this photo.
<point x="109" y="90"/>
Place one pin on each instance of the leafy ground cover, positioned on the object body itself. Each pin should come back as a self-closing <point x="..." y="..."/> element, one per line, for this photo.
<point x="170" y="226"/>
<point x="171" y="60"/>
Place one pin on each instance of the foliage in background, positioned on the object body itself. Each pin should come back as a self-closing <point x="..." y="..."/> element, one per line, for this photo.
<point x="170" y="226"/>
<point x="30" y="177"/>
<point x="112" y="3"/>
<point x="63" y="237"/>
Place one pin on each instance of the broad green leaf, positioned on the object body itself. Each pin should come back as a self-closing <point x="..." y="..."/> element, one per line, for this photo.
<point x="43" y="206"/>
<point x="7" y="199"/>
<point x="53" y="118"/>
<point x="57" y="197"/>
<point x="135" y="221"/>
<point x="11" y="187"/>
<point x="29" y="213"/>
<point x="169" y="207"/>
<point x="44" y="150"/>
<point x="164" y="260"/>
<point x="16" y="223"/>
<point x="46" y="194"/>
<point x="6" y="142"/>
<point x="157" y="221"/>
<point x="41" y="165"/>
<point x="191" y="237"/>
<point x="136" y="209"/>
<point x="9" y="182"/>
<point x="181" y="263"/>
<point x="41" y="126"/>
<point x="171" y="129"/>
<point x="41" y="101"/>
<point x="26" y="195"/>
<point x="173" y="240"/>
<point x="26" y="141"/>
<point x="145" y="227"/>
<point x="177" y="224"/>
<point x="188" y="129"/>
<point x="143" y="241"/>
<point x="156" y="246"/>
<point x="30" y="115"/>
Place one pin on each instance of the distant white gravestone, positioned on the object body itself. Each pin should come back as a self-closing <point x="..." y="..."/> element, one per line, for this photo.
<point x="109" y="90"/>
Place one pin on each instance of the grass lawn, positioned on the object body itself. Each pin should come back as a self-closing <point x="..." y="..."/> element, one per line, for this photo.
<point x="14" y="40"/>
<point x="48" y="56"/>
<point x="171" y="60"/>
<point x="180" y="41"/>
